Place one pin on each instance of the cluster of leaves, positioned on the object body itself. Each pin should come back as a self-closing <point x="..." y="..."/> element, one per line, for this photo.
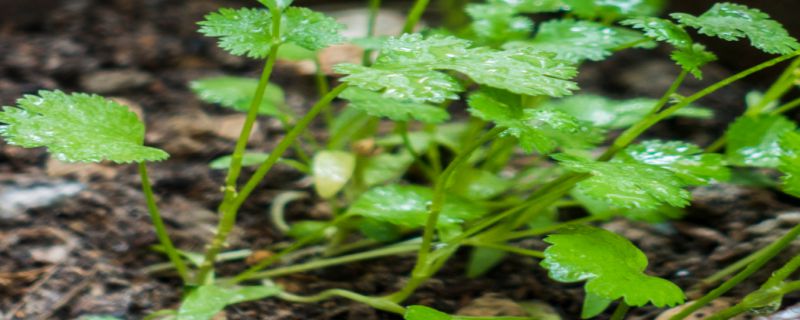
<point x="525" y="79"/>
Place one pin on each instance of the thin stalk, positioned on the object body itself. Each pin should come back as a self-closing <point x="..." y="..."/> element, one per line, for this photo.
<point x="228" y="214"/>
<point x="757" y="299"/>
<point x="322" y="89"/>
<point x="673" y="88"/>
<point x="231" y="207"/>
<point x="415" y="15"/>
<point x="507" y="248"/>
<point x="634" y="132"/>
<point x="787" y="107"/>
<point x="323" y="263"/>
<point x="372" y="20"/>
<point x="620" y="311"/>
<point x="783" y="273"/>
<point x="545" y="230"/>
<point x="774" y="248"/>
<point x="402" y="130"/>
<point x="738" y="265"/>
<point x="777" y="89"/>
<point x="160" y="228"/>
<point x="377" y="303"/>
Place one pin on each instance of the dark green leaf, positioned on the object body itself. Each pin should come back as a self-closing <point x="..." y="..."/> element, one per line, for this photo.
<point x="611" y="265"/>
<point x="478" y="184"/>
<point x="686" y="160"/>
<point x="378" y="105"/>
<point x="614" y="9"/>
<point x="77" y="128"/>
<point x="754" y="141"/>
<point x="628" y="185"/>
<point x="385" y="167"/>
<point x="661" y="30"/>
<point x="237" y="93"/>
<point x="481" y="260"/>
<point x="206" y="301"/>
<point x="731" y="22"/>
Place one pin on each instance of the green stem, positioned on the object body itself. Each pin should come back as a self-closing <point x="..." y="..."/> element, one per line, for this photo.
<point x="507" y="248"/>
<point x="377" y="303"/>
<point x="738" y="265"/>
<point x="374" y="10"/>
<point x="783" y="273"/>
<point x="158" y="223"/>
<point x="757" y="299"/>
<point x="545" y="230"/>
<point x="323" y="263"/>
<point x="673" y="88"/>
<point x="777" y="90"/>
<point x="402" y="130"/>
<point x="415" y="15"/>
<point x="620" y="311"/>
<point x="634" y="132"/>
<point x="774" y="248"/>
<point x="787" y="106"/>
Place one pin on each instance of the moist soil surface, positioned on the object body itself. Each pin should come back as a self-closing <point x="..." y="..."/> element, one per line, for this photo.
<point x="88" y="252"/>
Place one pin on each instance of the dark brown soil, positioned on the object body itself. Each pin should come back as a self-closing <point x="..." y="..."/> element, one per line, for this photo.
<point x="87" y="254"/>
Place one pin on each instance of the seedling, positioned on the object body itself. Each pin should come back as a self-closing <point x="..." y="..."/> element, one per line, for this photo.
<point x="517" y="78"/>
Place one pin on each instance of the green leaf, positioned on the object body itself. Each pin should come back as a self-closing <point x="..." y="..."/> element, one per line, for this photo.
<point x="611" y="265"/>
<point x="661" y="30"/>
<point x="242" y="32"/>
<point x="533" y="6"/>
<point x="405" y="70"/>
<point x="279" y="4"/>
<point x="482" y="260"/>
<point x="248" y="32"/>
<point x="594" y="305"/>
<point x="378" y="105"/>
<point x="578" y="40"/>
<point x="537" y="129"/>
<point x="478" y="184"/>
<point x="628" y="185"/>
<point x="731" y="22"/>
<point x="237" y="93"/>
<point x="790" y="163"/>
<point x="385" y="167"/>
<point x="407" y="206"/>
<point x="498" y="22"/>
<point x="77" y="128"/>
<point x="693" y="58"/>
<point x="615" y="114"/>
<point x="686" y="160"/>
<point x="601" y="208"/>
<point x="293" y="52"/>
<point x="426" y="313"/>
<point x="379" y="230"/>
<point x="332" y="170"/>
<point x="407" y="84"/>
<point x="310" y="29"/>
<point x="614" y="9"/>
<point x="754" y="141"/>
<point x="206" y="301"/>
<point x="306" y="228"/>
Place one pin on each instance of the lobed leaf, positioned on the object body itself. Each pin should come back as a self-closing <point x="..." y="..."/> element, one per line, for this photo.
<point x="578" y="40"/>
<point x="731" y="22"/>
<point x="601" y="208"/>
<point x="408" y="206"/>
<point x="686" y="160"/>
<point x="614" y="9"/>
<point x="406" y="69"/>
<point x="790" y="163"/>
<point x="612" y="267"/>
<point x="661" y="30"/>
<point x="693" y="58"/>
<point x="627" y="185"/>
<point x="241" y="32"/>
<point x="310" y="29"/>
<point x="615" y="114"/>
<point x="77" y="128"/>
<point x="755" y="140"/>
<point x="237" y="93"/>
<point x="536" y="129"/>
<point x="498" y="22"/>
<point x="204" y="302"/>
<point x="378" y="105"/>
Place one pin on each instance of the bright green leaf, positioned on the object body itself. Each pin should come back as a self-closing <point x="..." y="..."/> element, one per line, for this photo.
<point x="615" y="114"/>
<point x="378" y="105"/>
<point x="611" y="265"/>
<point x="731" y="22"/>
<point x="537" y="129"/>
<point x="661" y="30"/>
<point x="628" y="185"/>
<point x="754" y="141"/>
<point x="242" y="32"/>
<point x="405" y="69"/>
<point x="306" y="228"/>
<point x="77" y="128"/>
<point x="614" y="9"/>
<point x="601" y="208"/>
<point x="790" y="163"/>
<point x="686" y="160"/>
<point x="237" y="93"/>
<point x="206" y="301"/>
<point x="497" y="23"/>
<point x="332" y="170"/>
<point x="310" y="29"/>
<point x="693" y="58"/>
<point x="578" y="40"/>
<point x="408" y="205"/>
<point x="293" y="52"/>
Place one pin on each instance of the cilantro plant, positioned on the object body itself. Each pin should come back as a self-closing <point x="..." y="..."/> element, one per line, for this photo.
<point x="516" y="79"/>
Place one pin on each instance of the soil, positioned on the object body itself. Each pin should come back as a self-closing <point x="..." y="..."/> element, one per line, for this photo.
<point x="88" y="253"/>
